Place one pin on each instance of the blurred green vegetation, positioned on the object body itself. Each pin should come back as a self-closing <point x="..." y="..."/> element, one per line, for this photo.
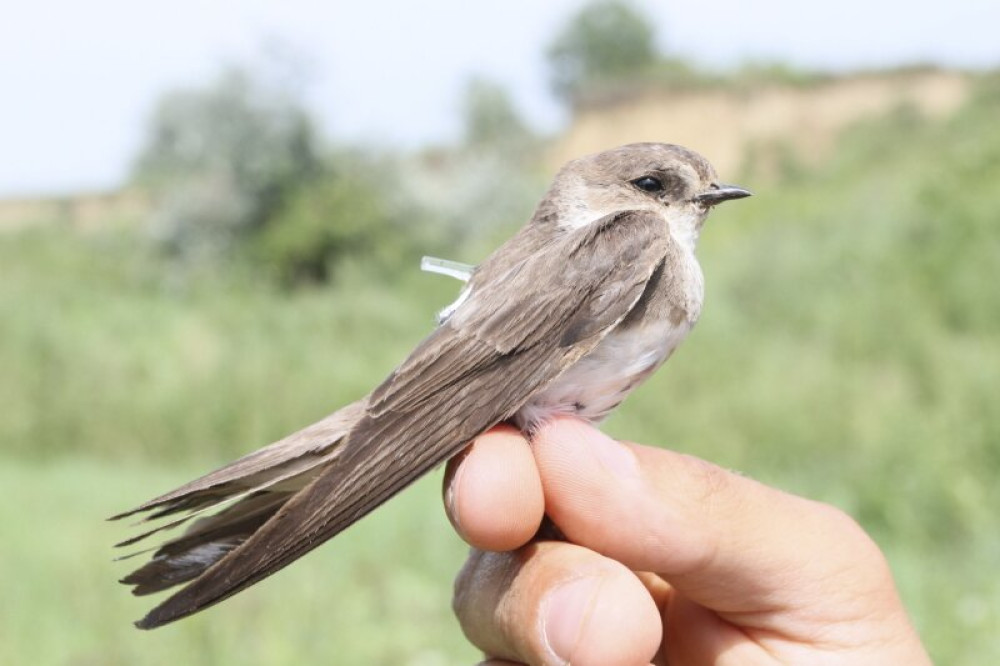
<point x="222" y="160"/>
<point x="379" y="595"/>
<point x="849" y="352"/>
<point x="236" y="171"/>
<point x="607" y="41"/>
<point x="607" y="52"/>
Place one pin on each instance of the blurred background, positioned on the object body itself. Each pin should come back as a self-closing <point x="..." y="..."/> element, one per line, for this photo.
<point x="211" y="218"/>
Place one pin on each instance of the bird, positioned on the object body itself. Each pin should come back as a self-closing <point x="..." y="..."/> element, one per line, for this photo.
<point x="568" y="316"/>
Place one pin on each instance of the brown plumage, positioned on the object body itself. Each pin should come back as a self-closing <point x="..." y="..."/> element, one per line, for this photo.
<point x="602" y="256"/>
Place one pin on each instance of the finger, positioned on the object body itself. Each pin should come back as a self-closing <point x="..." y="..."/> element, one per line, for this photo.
<point x="556" y="603"/>
<point x="493" y="494"/>
<point x="723" y="540"/>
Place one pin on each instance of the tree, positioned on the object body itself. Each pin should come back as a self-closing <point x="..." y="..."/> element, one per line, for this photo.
<point x="222" y="159"/>
<point x="491" y="121"/>
<point x="349" y="211"/>
<point x="607" y="41"/>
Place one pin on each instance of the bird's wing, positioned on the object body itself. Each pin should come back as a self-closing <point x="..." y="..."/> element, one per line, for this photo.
<point x="515" y="334"/>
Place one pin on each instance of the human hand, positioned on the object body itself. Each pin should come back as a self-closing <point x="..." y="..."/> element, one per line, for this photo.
<point x="669" y="559"/>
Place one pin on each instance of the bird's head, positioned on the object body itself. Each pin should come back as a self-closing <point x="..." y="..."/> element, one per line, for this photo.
<point x="672" y="181"/>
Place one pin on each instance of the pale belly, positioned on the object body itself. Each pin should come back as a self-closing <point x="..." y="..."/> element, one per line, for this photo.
<point x="598" y="382"/>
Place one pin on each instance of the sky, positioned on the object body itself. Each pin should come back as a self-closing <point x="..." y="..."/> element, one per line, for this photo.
<point x="78" y="80"/>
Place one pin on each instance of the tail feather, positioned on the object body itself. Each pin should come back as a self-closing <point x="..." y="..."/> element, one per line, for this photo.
<point x="244" y="495"/>
<point x="204" y="543"/>
<point x="289" y="457"/>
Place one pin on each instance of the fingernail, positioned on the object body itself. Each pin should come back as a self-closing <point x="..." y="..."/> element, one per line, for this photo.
<point x="613" y="455"/>
<point x="567" y="609"/>
<point x="449" y="501"/>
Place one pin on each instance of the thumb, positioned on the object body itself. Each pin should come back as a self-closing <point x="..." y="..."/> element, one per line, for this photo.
<point x="724" y="541"/>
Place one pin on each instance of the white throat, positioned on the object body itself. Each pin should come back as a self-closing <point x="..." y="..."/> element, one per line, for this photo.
<point x="686" y="228"/>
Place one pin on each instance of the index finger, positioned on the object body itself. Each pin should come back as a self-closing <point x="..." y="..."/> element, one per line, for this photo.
<point x="492" y="491"/>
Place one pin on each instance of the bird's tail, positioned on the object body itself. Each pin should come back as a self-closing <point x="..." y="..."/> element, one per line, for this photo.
<point x="229" y="504"/>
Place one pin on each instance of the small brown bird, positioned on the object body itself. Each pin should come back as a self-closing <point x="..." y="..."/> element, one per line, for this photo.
<point x="568" y="316"/>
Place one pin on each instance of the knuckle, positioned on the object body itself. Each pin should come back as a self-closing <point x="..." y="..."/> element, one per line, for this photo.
<point x="864" y="561"/>
<point x="493" y="601"/>
<point x="464" y="583"/>
<point x="479" y="598"/>
<point x="708" y="482"/>
<point x="838" y="522"/>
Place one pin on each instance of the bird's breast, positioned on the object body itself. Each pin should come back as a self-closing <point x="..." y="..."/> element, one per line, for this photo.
<point x="599" y="381"/>
<point x="629" y="354"/>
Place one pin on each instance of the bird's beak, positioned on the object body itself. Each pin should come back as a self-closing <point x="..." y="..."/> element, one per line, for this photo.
<point x="720" y="193"/>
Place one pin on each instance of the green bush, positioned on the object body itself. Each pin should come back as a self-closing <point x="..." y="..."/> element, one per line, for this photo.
<point x="222" y="159"/>
<point x="342" y="215"/>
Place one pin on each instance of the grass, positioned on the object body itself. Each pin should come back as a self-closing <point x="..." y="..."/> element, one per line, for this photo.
<point x="108" y="354"/>
<point x="380" y="595"/>
<point x="849" y="351"/>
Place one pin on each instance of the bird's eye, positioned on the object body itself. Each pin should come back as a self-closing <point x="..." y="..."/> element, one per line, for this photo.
<point x="649" y="184"/>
